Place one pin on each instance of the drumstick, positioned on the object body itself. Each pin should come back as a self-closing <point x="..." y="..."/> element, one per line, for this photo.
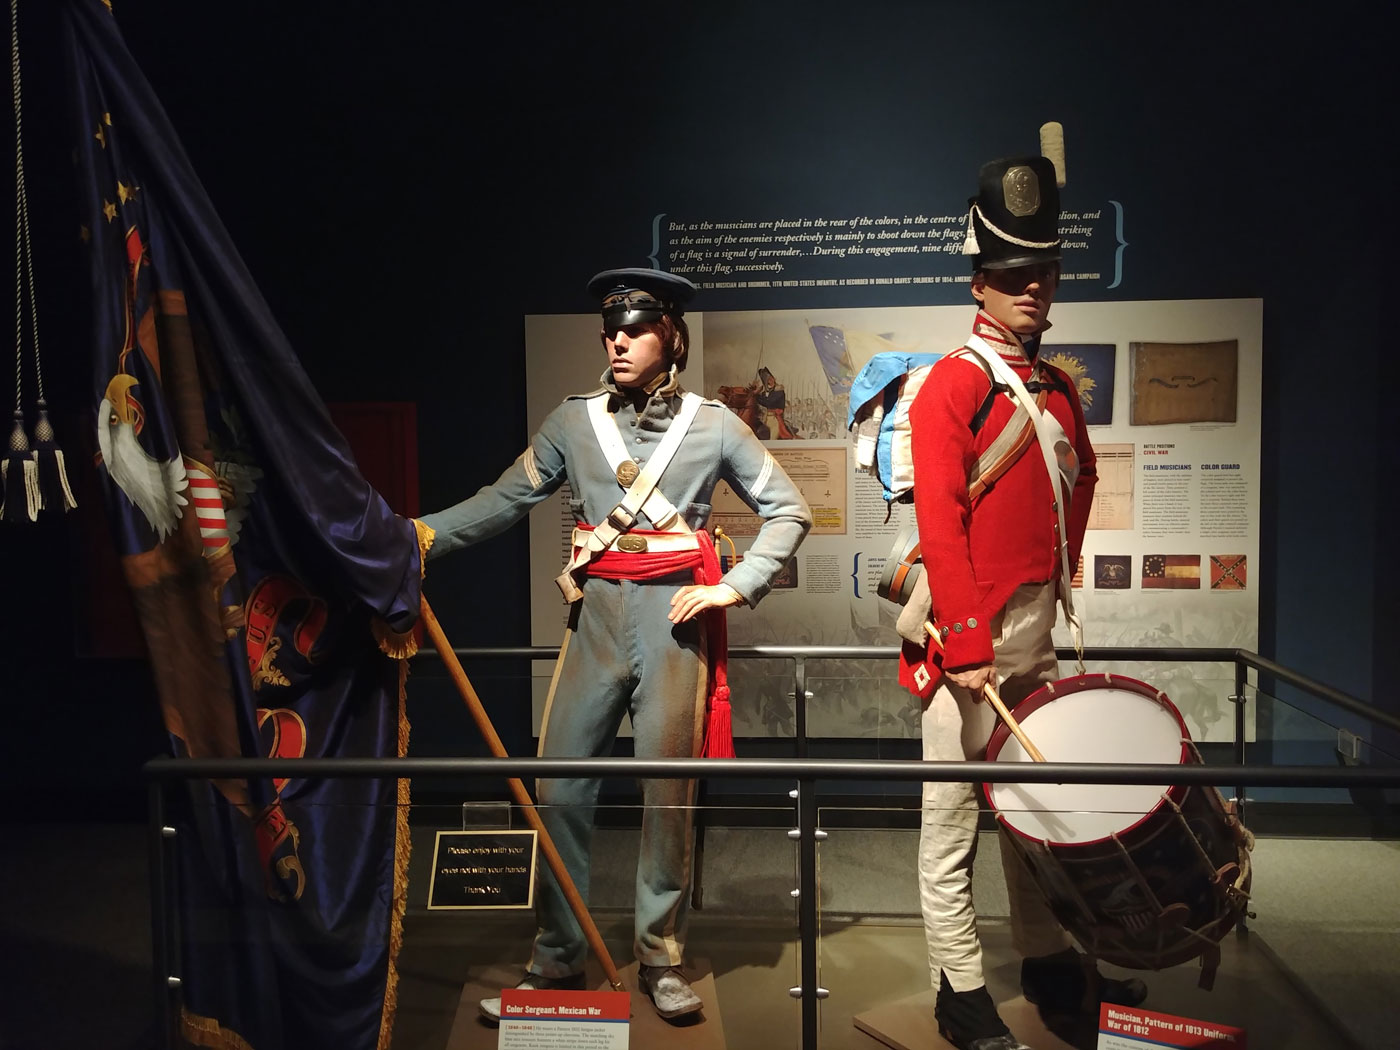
<point x="989" y="691"/>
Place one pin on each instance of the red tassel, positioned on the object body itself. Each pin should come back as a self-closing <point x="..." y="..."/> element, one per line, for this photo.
<point x="719" y="727"/>
<point x="719" y="720"/>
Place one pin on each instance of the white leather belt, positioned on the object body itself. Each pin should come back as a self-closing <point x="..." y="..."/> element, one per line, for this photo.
<point x="633" y="543"/>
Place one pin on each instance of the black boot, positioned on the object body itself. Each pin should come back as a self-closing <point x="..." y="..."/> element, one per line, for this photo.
<point x="969" y="1020"/>
<point x="1064" y="984"/>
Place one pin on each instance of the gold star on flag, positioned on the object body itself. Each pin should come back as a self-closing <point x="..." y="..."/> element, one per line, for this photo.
<point x="109" y="209"/>
<point x="101" y="136"/>
<point x="125" y="192"/>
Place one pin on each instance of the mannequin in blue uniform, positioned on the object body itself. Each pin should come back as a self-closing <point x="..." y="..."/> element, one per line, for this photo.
<point x="638" y="626"/>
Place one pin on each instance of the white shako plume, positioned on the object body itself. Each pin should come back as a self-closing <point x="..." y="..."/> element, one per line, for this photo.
<point x="1052" y="146"/>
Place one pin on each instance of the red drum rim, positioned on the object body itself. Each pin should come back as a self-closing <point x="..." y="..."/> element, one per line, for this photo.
<point x="1052" y="691"/>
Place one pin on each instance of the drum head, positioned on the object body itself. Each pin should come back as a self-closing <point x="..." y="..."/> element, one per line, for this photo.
<point x="1090" y="718"/>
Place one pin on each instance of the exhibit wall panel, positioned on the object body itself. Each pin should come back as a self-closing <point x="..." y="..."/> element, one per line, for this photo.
<point x="1171" y="557"/>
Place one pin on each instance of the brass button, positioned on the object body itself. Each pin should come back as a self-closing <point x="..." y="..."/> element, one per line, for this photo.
<point x="971" y="621"/>
<point x="957" y="628"/>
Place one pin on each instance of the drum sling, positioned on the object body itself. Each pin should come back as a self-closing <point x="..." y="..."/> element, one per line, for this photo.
<point x="1061" y="463"/>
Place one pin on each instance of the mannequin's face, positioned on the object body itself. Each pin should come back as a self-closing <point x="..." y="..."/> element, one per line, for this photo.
<point x="1020" y="297"/>
<point x="636" y="354"/>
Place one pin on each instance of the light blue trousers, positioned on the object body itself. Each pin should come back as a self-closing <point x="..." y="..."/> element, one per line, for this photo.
<point x="625" y="656"/>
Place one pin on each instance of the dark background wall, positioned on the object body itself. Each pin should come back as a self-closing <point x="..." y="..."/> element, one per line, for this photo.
<point x="407" y="184"/>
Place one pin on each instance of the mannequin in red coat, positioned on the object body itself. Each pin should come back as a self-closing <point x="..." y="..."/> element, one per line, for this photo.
<point x="993" y="567"/>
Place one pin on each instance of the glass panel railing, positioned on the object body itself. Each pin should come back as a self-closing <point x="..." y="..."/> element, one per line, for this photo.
<point x="737" y="924"/>
<point x="1324" y="861"/>
<point x="1307" y="731"/>
<point x="469" y="922"/>
<point x="1152" y="887"/>
<point x="870" y="939"/>
<point x="862" y="700"/>
<point x="761" y="695"/>
<point x="1148" y="905"/>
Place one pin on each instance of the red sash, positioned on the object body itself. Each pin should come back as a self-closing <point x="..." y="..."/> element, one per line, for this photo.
<point x="704" y="565"/>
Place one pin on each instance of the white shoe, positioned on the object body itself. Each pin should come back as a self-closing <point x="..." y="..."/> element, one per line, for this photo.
<point x="670" y="992"/>
<point x="491" y="1008"/>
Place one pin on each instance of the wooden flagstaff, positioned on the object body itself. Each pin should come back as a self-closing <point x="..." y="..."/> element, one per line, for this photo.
<point x="522" y="797"/>
<point x="989" y="691"/>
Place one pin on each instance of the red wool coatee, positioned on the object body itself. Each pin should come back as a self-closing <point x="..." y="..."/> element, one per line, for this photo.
<point x="976" y="553"/>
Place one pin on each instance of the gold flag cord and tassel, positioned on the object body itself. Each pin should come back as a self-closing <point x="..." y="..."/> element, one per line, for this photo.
<point x="34" y="476"/>
<point x="401" y="647"/>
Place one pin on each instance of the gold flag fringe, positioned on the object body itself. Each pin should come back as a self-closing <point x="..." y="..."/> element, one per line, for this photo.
<point x="403" y="840"/>
<point x="403" y="849"/>
<point x="398" y="644"/>
<point x="403" y="644"/>
<point x="425" y="543"/>
<point x="205" y="1031"/>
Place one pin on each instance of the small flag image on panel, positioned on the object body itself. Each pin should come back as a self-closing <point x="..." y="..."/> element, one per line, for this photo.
<point x="1172" y="571"/>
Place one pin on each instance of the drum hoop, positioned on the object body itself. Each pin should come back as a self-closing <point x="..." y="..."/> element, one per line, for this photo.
<point x="1052" y="691"/>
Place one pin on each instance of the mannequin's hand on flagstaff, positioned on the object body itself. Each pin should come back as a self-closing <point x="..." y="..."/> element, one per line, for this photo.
<point x="688" y="602"/>
<point x="972" y="678"/>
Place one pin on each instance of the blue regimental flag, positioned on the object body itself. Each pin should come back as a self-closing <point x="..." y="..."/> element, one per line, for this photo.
<point x="839" y="348"/>
<point x="835" y="357"/>
<point x="273" y="584"/>
<point x="1092" y="368"/>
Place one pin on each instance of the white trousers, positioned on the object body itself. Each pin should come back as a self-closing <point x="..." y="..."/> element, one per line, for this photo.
<point x="957" y="726"/>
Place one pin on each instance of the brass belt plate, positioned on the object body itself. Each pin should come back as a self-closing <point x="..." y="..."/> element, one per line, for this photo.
<point x="632" y="544"/>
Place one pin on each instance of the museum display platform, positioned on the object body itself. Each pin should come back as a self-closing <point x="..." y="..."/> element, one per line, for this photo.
<point x="705" y="1031"/>
<point x="873" y="960"/>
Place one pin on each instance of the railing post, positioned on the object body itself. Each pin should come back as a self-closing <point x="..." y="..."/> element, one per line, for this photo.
<point x="799" y="705"/>
<point x="1238" y="699"/>
<point x="808" y="835"/>
<point x="161" y="947"/>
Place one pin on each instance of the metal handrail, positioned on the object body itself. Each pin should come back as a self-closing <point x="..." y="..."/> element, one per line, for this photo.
<point x="1345" y="701"/>
<point x="772" y="769"/>
<point x="1104" y="653"/>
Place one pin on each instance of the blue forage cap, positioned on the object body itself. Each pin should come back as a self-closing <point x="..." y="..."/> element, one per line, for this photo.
<point x="637" y="295"/>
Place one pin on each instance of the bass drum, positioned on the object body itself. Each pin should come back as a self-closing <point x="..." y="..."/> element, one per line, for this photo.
<point x="1142" y="876"/>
